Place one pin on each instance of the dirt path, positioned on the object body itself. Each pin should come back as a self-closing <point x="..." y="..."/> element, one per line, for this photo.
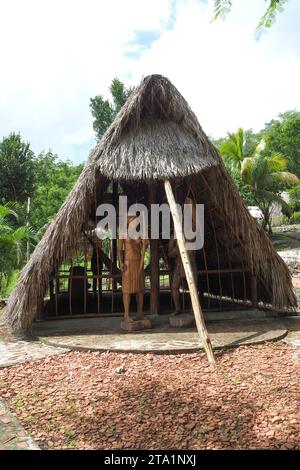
<point x="296" y="282"/>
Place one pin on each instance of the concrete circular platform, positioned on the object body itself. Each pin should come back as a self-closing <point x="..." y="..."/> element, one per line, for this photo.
<point x="102" y="334"/>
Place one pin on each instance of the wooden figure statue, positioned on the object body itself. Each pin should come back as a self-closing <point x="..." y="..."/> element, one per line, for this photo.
<point x="131" y="254"/>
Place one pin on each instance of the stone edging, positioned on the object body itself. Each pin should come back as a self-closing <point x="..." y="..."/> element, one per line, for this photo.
<point x="12" y="434"/>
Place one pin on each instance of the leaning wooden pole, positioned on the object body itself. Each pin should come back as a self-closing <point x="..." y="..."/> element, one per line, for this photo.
<point x="189" y="274"/>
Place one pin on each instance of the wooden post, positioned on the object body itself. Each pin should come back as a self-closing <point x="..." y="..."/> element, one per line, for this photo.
<point x="71" y="287"/>
<point x="114" y="251"/>
<point x="254" y="291"/>
<point x="56" y="291"/>
<point x="154" y="250"/>
<point x="51" y="290"/>
<point x="189" y="274"/>
<point x="98" y="278"/>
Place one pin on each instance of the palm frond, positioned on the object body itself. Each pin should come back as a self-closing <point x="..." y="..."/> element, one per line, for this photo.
<point x="5" y="239"/>
<point x="233" y="148"/>
<point x="23" y="233"/>
<point x="248" y="165"/>
<point x="240" y="143"/>
<point x="260" y="169"/>
<point x="285" y="177"/>
<point x="277" y="162"/>
<point x="6" y="211"/>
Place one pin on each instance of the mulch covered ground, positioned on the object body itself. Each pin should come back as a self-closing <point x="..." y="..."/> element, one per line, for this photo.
<point x="77" y="400"/>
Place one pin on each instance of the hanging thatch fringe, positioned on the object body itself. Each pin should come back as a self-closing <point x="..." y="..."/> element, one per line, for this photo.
<point x="255" y="247"/>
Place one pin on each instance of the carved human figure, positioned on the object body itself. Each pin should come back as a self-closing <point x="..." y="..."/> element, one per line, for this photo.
<point x="131" y="254"/>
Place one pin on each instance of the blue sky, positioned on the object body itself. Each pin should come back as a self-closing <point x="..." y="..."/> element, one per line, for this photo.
<point x="57" y="54"/>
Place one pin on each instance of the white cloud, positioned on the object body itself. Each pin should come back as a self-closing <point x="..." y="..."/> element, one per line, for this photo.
<point x="55" y="55"/>
<point x="229" y="78"/>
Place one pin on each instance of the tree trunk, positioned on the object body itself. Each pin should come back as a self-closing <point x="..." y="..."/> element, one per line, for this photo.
<point x="267" y="226"/>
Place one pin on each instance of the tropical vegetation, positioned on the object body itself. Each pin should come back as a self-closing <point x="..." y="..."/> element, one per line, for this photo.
<point x="266" y="176"/>
<point x="259" y="168"/>
<point x="16" y="242"/>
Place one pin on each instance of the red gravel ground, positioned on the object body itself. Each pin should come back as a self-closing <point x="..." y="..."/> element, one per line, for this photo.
<point x="250" y="400"/>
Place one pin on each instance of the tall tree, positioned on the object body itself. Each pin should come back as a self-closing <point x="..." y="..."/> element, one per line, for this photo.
<point x="283" y="135"/>
<point x="17" y="175"/>
<point x="104" y="110"/>
<point x="223" y="7"/>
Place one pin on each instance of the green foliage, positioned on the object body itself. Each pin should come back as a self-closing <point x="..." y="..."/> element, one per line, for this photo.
<point x="269" y="17"/>
<point x="259" y="174"/>
<point x="104" y="111"/>
<point x="295" y="218"/>
<point x="8" y="282"/>
<point x="234" y="149"/>
<point x="17" y="175"/>
<point x="238" y="146"/>
<point x="14" y="242"/>
<point x="283" y="135"/>
<point x="285" y="220"/>
<point x="294" y="194"/>
<point x="44" y="182"/>
<point x="266" y="178"/>
<point x="55" y="179"/>
<point x="223" y="7"/>
<point x="244" y="190"/>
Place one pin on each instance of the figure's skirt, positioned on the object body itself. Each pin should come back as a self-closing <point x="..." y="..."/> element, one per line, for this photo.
<point x="133" y="281"/>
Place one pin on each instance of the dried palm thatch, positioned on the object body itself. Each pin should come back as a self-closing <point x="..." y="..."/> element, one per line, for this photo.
<point x="154" y="136"/>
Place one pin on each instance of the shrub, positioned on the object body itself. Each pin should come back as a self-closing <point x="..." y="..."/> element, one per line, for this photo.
<point x="294" y="194"/>
<point x="285" y="220"/>
<point x="295" y="218"/>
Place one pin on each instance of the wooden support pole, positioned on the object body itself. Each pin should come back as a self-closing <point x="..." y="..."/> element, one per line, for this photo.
<point x="254" y="298"/>
<point x="154" y="251"/>
<point x="189" y="274"/>
<point x="70" y="287"/>
<point x="56" y="291"/>
<point x="114" y="251"/>
<point x="51" y="290"/>
<point x="98" y="279"/>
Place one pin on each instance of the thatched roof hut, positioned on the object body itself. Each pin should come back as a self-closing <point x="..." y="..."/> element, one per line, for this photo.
<point x="155" y="137"/>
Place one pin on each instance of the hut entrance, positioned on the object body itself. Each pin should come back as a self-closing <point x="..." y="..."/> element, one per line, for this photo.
<point x="89" y="281"/>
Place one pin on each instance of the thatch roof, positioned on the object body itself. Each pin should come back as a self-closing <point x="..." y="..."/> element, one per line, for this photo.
<point x="154" y="136"/>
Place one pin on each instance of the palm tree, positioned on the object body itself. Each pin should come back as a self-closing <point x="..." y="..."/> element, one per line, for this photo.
<point x="266" y="177"/>
<point x="238" y="146"/>
<point x="13" y="242"/>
